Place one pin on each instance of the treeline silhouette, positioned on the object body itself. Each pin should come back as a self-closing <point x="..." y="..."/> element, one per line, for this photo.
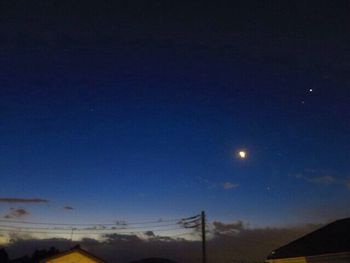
<point x="37" y="256"/>
<point x="153" y="260"/>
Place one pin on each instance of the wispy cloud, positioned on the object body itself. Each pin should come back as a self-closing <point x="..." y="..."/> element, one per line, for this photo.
<point x="322" y="177"/>
<point x="229" y="185"/>
<point x="16" y="212"/>
<point x="347" y="184"/>
<point x="205" y="181"/>
<point x="326" y="179"/>
<point x="316" y="176"/>
<point x="216" y="185"/>
<point x="22" y="200"/>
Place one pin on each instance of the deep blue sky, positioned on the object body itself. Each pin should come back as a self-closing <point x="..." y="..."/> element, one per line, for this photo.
<point x="135" y="111"/>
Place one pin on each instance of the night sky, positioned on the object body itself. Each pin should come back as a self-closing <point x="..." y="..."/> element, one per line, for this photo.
<point x="136" y="111"/>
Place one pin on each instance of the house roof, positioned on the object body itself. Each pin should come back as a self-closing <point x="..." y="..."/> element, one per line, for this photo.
<point x="332" y="238"/>
<point x="72" y="250"/>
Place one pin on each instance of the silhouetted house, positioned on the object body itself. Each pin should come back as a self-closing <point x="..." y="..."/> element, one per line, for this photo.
<point x="75" y="255"/>
<point x="329" y="244"/>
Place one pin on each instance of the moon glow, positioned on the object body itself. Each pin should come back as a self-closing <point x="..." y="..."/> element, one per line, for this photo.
<point x="242" y="154"/>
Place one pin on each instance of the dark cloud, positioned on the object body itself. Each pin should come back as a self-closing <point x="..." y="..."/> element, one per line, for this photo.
<point x="227" y="229"/>
<point x="97" y="227"/>
<point x="22" y="200"/>
<point x="149" y="234"/>
<point x="121" y="237"/>
<point x="324" y="212"/>
<point x="121" y="223"/>
<point x="16" y="213"/>
<point x="250" y="244"/>
<point x="223" y="246"/>
<point x="68" y="207"/>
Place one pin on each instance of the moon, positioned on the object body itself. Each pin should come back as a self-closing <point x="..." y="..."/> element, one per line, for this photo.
<point x="242" y="154"/>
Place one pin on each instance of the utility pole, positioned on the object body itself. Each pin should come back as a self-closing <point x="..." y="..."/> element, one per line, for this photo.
<point x="204" y="256"/>
<point x="71" y="237"/>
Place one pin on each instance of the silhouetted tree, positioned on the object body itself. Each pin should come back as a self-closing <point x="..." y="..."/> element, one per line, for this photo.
<point x="153" y="260"/>
<point x="4" y="258"/>
<point x="38" y="255"/>
<point x="52" y="251"/>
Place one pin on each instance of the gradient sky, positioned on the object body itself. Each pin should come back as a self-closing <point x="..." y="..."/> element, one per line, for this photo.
<point x="135" y="111"/>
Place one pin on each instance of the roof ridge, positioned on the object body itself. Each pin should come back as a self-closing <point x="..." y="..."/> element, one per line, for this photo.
<point x="336" y="234"/>
<point x="76" y="248"/>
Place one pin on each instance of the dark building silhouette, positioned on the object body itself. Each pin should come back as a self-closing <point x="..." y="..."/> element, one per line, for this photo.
<point x="330" y="243"/>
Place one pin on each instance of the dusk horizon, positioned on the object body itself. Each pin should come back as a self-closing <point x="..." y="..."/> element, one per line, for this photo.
<point x="128" y="118"/>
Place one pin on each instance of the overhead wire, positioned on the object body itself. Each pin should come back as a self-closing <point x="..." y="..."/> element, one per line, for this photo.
<point x="52" y="231"/>
<point x="93" y="228"/>
<point x="117" y="222"/>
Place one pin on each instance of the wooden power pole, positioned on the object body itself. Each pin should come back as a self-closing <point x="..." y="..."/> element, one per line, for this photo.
<point x="204" y="253"/>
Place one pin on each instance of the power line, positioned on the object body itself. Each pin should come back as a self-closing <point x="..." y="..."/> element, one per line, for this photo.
<point x="117" y="223"/>
<point x="119" y="227"/>
<point x="92" y="229"/>
<point x="52" y="231"/>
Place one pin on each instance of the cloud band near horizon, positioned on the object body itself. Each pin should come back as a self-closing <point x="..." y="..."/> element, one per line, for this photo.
<point x="22" y="200"/>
